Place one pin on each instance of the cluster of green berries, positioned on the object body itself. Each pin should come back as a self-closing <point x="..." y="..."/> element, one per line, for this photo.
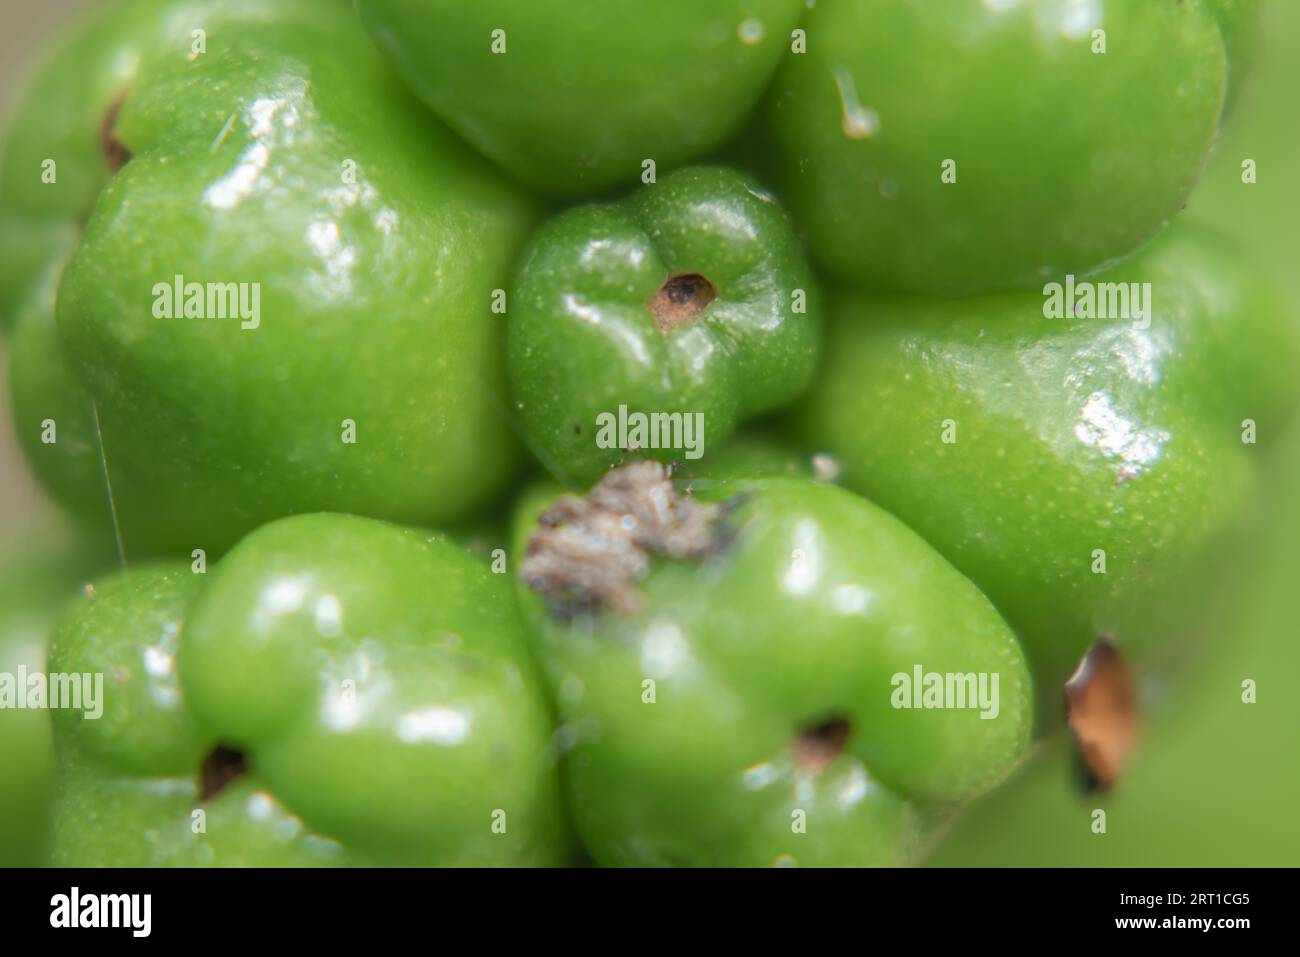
<point x="299" y="298"/>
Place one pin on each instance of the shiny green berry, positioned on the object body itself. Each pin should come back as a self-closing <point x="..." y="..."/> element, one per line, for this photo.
<point x="657" y="324"/>
<point x="575" y="100"/>
<point x="281" y="297"/>
<point x="958" y="147"/>
<point x="733" y="671"/>
<point x="1076" y="468"/>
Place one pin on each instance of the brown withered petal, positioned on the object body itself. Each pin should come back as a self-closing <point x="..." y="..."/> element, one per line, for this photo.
<point x="1102" y="710"/>
<point x="587" y="555"/>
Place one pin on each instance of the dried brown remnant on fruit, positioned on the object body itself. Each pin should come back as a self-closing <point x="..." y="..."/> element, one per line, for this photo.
<point x="589" y="553"/>
<point x="115" y="153"/>
<point x="1102" y="710"/>
<point x="815" y="748"/>
<point x="681" y="299"/>
<point x="220" y="768"/>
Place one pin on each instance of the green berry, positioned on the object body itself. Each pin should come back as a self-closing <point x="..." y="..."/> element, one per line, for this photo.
<point x="283" y="166"/>
<point x="576" y="100"/>
<point x="727" y="671"/>
<point x="690" y="299"/>
<point x="1072" y="467"/>
<point x="949" y="149"/>
<point x="335" y="690"/>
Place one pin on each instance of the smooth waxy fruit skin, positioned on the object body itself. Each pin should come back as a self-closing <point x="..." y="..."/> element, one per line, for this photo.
<point x="54" y="166"/>
<point x="581" y="97"/>
<point x="1023" y="446"/>
<point x="804" y="617"/>
<point x="375" y="678"/>
<point x="54" y="163"/>
<point x="1064" y="158"/>
<point x="582" y="340"/>
<point x="386" y="692"/>
<point x="126" y="789"/>
<point x="368" y="381"/>
<point x="753" y="453"/>
<point x="102" y="821"/>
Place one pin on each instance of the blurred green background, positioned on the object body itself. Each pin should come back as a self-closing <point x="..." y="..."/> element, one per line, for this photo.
<point x="26" y="515"/>
<point x="39" y="562"/>
<point x="1216" y="782"/>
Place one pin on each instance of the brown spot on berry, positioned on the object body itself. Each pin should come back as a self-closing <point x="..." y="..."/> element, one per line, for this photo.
<point x="816" y="747"/>
<point x="219" y="769"/>
<point x="680" y="300"/>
